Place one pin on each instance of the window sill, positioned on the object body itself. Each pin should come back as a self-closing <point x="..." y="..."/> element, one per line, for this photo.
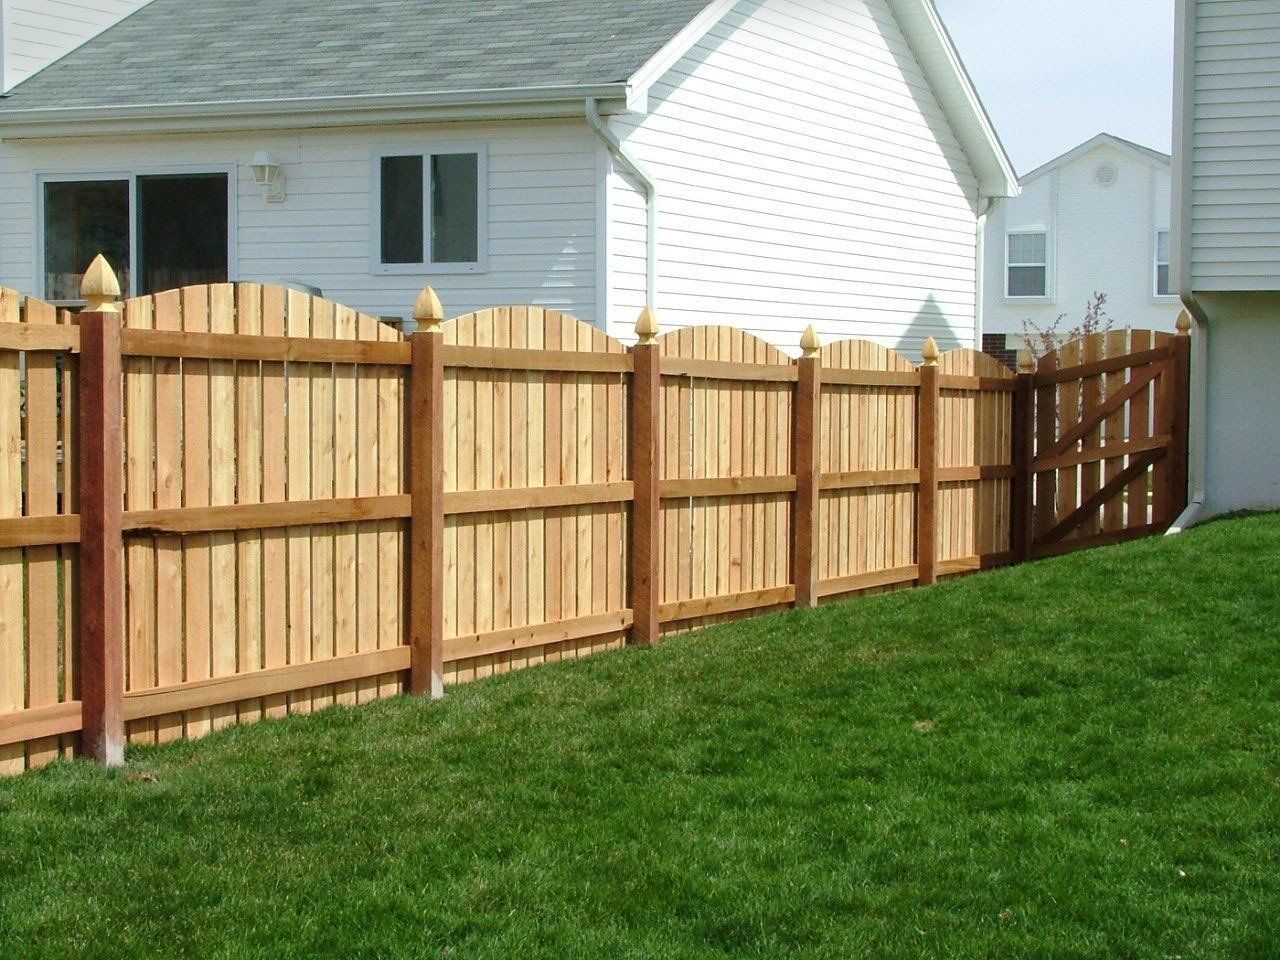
<point x="427" y="269"/>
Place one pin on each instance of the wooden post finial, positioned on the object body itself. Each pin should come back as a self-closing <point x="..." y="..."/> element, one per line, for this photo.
<point x="931" y="352"/>
<point x="1184" y="324"/>
<point x="100" y="287"/>
<point x="647" y="326"/>
<point x="1026" y="361"/>
<point x="809" y="342"/>
<point x="428" y="312"/>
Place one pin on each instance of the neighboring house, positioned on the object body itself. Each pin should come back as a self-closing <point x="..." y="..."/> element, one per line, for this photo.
<point x="1227" y="243"/>
<point x="1095" y="220"/>
<point x="34" y="33"/>
<point x="766" y="163"/>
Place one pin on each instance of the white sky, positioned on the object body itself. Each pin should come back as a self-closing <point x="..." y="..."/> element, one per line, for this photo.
<point x="1054" y="73"/>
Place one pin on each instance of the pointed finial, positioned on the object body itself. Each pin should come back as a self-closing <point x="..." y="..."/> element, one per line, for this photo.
<point x="647" y="326"/>
<point x="930" y="352"/>
<point x="428" y="312"/>
<point x="1026" y="361"/>
<point x="100" y="287"/>
<point x="1184" y="324"/>
<point x="809" y="342"/>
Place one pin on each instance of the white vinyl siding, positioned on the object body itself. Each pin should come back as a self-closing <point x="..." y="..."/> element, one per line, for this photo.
<point x="806" y="175"/>
<point x="1101" y="240"/>
<point x="1235" y="162"/>
<point x="541" y="211"/>
<point x="37" y="32"/>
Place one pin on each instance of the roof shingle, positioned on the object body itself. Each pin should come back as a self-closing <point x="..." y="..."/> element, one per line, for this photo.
<point x="211" y="51"/>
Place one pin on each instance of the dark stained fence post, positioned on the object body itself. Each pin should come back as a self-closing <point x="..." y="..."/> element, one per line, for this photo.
<point x="1024" y="432"/>
<point x="101" y="506"/>
<point x="426" y="486"/>
<point x="1180" y="426"/>
<point x="646" y="475"/>
<point x="805" y="411"/>
<point x="927" y="439"/>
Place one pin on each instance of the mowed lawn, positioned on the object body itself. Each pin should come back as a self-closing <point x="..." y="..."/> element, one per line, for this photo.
<point x="1077" y="758"/>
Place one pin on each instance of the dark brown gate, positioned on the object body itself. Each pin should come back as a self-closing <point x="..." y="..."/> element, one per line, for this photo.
<point x="1105" y="430"/>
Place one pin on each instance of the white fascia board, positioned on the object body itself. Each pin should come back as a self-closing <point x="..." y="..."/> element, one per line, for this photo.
<point x="678" y="46"/>
<point x="518" y="104"/>
<point x="932" y="44"/>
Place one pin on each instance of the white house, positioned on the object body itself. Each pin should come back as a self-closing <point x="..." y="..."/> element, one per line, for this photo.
<point x="1094" y="220"/>
<point x="34" y="33"/>
<point x="1227" y="244"/>
<point x="768" y="163"/>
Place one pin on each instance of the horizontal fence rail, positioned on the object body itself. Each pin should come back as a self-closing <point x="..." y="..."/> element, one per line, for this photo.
<point x="284" y="504"/>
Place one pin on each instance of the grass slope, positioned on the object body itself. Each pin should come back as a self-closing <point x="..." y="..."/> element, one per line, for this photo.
<point x="1077" y="758"/>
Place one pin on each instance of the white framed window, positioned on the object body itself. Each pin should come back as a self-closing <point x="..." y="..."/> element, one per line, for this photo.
<point x="431" y="210"/>
<point x="1163" y="281"/>
<point x="159" y="229"/>
<point x="1027" y="264"/>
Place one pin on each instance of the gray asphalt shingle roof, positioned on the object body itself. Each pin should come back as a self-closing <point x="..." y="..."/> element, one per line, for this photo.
<point x="204" y="51"/>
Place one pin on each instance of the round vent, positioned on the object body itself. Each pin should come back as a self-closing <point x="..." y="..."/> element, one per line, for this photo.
<point x="1105" y="175"/>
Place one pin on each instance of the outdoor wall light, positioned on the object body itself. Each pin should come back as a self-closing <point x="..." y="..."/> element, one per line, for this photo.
<point x="268" y="175"/>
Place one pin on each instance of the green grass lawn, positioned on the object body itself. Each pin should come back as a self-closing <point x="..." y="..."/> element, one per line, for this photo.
<point x="1077" y="758"/>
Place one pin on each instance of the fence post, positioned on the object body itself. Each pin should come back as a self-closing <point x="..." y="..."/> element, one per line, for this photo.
<point x="1024" y="431"/>
<point x="101" y="505"/>
<point x="646" y="475"/>
<point x="927" y="439"/>
<point x="426" y="486"/>
<point x="804" y="445"/>
<point x="1180" y="426"/>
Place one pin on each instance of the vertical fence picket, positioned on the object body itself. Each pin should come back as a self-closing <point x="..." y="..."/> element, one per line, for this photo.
<point x="169" y="486"/>
<point x="42" y="561"/>
<point x="13" y="661"/>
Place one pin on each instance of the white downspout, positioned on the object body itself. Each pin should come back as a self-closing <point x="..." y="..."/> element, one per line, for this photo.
<point x="633" y="166"/>
<point x="979" y="305"/>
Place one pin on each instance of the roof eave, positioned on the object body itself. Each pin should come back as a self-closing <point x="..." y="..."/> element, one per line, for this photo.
<point x="500" y="104"/>
<point x="933" y="46"/>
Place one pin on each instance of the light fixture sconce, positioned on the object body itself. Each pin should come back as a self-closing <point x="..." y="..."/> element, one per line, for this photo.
<point x="268" y="175"/>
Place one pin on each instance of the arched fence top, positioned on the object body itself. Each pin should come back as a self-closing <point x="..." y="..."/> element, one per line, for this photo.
<point x="528" y="327"/>
<point x="720" y="343"/>
<point x="973" y="363"/>
<point x="1102" y="346"/>
<point x="253" y="309"/>
<point x="857" y="354"/>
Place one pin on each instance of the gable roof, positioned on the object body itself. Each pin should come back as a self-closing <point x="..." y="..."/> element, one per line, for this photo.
<point x="220" y="63"/>
<point x="1148" y="156"/>
<point x="180" y="51"/>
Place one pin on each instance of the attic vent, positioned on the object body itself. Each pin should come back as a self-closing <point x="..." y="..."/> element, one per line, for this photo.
<point x="1105" y="175"/>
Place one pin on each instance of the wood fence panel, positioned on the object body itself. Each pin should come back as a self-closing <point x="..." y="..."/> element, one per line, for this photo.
<point x="531" y="584"/>
<point x="867" y="455"/>
<point x="226" y="621"/>
<point x="976" y="427"/>
<point x="38" y="589"/>
<point x="221" y="432"/>
<point x="725" y="555"/>
<point x="1105" y="446"/>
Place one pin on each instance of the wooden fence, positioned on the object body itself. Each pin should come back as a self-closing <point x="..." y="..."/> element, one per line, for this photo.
<point x="235" y="501"/>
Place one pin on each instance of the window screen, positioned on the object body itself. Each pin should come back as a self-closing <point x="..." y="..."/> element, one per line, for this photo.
<point x="81" y="220"/>
<point x="454" y="208"/>
<point x="402" y="215"/>
<point x="182" y="231"/>
<point x="1163" y="258"/>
